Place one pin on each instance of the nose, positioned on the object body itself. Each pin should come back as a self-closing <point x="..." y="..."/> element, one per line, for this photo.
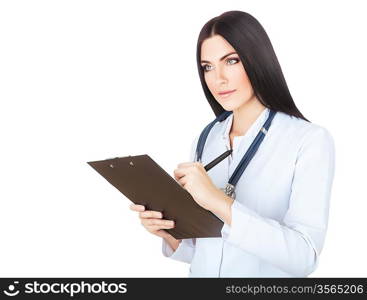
<point x="220" y="76"/>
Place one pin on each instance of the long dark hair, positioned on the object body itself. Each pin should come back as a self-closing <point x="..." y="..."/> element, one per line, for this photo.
<point x="249" y="39"/>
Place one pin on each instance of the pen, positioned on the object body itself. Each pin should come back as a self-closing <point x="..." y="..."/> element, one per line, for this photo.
<point x="217" y="160"/>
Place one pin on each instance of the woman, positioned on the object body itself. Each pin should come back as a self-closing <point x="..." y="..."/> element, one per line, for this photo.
<point x="275" y="226"/>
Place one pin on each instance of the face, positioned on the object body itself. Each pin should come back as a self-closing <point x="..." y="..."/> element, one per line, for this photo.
<point x="223" y="71"/>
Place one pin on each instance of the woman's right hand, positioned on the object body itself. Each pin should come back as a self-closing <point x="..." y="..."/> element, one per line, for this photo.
<point x="153" y="222"/>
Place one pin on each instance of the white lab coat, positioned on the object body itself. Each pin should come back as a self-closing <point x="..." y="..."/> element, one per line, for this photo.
<point x="280" y="215"/>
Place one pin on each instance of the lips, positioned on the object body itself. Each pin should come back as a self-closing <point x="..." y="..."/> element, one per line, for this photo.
<point x="225" y="92"/>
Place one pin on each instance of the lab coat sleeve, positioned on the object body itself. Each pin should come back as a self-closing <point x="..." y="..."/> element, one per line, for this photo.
<point x="185" y="250"/>
<point x="295" y="243"/>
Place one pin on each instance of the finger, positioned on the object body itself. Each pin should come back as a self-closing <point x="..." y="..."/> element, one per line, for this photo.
<point x="150" y="214"/>
<point x="137" y="207"/>
<point x="163" y="234"/>
<point x="177" y="177"/>
<point x="180" y="172"/>
<point x="182" y="181"/>
<point x="150" y="222"/>
<point x="184" y="168"/>
<point x="159" y="227"/>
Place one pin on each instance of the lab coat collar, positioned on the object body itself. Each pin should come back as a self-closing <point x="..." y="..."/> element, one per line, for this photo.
<point x="254" y="128"/>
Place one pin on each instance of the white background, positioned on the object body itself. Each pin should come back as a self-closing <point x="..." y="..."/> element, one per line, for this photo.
<point x="89" y="80"/>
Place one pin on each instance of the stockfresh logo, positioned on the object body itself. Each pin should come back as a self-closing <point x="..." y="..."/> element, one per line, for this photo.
<point x="70" y="289"/>
<point x="12" y="289"/>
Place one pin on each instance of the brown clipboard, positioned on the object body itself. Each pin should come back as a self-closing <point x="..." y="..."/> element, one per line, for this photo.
<point x="144" y="182"/>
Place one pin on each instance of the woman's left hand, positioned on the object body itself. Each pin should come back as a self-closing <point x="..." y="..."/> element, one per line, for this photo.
<point x="193" y="177"/>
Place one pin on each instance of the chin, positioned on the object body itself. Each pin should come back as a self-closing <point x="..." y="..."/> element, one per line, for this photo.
<point x="230" y="105"/>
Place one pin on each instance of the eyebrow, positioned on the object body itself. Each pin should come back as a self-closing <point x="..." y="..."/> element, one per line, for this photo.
<point x="223" y="57"/>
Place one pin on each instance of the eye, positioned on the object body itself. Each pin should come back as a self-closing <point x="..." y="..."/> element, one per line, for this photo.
<point x="204" y="68"/>
<point x="228" y="60"/>
<point x="233" y="58"/>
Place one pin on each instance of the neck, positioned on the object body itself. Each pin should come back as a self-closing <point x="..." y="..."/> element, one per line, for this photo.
<point x="245" y="115"/>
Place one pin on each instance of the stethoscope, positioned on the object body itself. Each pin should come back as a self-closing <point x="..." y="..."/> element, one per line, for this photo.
<point x="229" y="189"/>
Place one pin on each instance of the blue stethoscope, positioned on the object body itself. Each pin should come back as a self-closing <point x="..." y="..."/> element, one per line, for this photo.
<point x="231" y="185"/>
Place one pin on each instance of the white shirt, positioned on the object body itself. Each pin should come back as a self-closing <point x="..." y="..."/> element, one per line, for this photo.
<point x="280" y="214"/>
